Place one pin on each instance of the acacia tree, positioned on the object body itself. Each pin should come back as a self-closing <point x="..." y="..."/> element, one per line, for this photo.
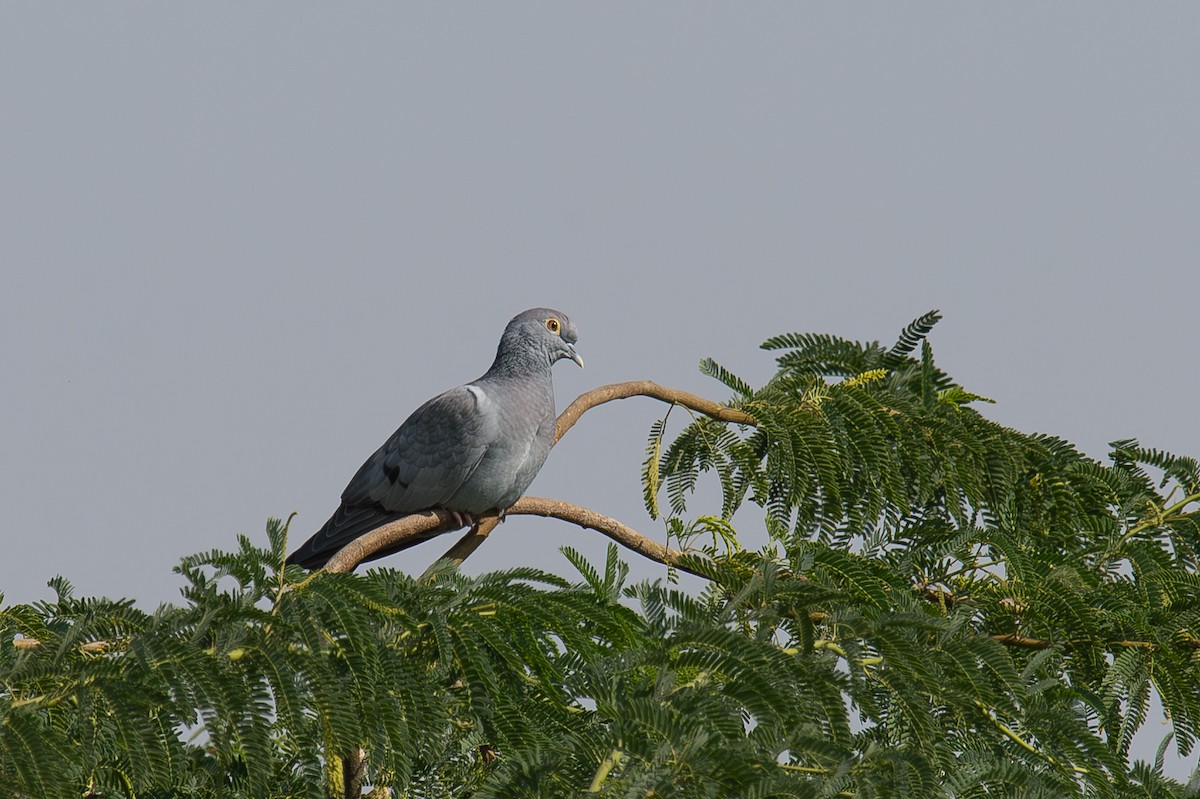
<point x="945" y="607"/>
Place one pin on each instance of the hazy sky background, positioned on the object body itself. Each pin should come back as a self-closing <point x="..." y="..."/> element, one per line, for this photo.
<point x="240" y="243"/>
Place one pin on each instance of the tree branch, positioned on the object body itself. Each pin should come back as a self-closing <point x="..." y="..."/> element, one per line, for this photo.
<point x="420" y="525"/>
<point x="463" y="548"/>
<point x="391" y="536"/>
<point x="354" y="767"/>
<point x="1022" y="641"/>
<point x="624" y="535"/>
<point x="646" y="388"/>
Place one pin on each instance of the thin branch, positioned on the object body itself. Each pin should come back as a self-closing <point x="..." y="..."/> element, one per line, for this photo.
<point x="1022" y="641"/>
<point x="611" y="761"/>
<point x="463" y="548"/>
<point x="420" y="525"/>
<point x="1161" y="516"/>
<point x="646" y="388"/>
<point x="90" y="648"/>
<point x="624" y="535"/>
<point x="1010" y="733"/>
<point x="391" y="536"/>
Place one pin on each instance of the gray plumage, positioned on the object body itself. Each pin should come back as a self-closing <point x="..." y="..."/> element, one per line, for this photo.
<point x="472" y="449"/>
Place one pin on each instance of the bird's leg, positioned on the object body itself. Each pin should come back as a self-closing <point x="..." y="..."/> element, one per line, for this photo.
<point x="462" y="519"/>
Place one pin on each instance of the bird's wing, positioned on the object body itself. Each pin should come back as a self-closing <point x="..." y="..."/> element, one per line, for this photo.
<point x="430" y="456"/>
<point x="419" y="467"/>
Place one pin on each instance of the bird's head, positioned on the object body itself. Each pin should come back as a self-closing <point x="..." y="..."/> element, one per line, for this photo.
<point x="539" y="335"/>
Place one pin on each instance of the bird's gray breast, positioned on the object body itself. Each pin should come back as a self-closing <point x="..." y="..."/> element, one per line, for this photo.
<point x="524" y="412"/>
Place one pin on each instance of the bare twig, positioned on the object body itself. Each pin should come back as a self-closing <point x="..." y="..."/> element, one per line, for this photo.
<point x="90" y="648"/>
<point x="645" y="388"/>
<point x="1023" y="641"/>
<point x="463" y="548"/>
<point x="622" y="534"/>
<point x="390" y="536"/>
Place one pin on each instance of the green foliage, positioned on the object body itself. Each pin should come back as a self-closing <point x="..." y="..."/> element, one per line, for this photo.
<point x="937" y="532"/>
<point x="945" y="608"/>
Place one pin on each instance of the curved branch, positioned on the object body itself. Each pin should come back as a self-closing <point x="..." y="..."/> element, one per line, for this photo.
<point x="646" y="388"/>
<point x="623" y="534"/>
<point x="392" y="536"/>
<point x="423" y="525"/>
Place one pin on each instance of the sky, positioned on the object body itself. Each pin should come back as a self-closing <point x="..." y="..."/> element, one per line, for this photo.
<point x="241" y="242"/>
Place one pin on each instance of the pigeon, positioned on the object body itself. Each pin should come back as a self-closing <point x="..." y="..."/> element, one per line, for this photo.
<point x="470" y="450"/>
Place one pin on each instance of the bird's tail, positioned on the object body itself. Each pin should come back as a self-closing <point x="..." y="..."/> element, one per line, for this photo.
<point x="345" y="525"/>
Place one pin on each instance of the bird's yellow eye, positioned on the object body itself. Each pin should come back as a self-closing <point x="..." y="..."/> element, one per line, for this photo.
<point x="553" y="325"/>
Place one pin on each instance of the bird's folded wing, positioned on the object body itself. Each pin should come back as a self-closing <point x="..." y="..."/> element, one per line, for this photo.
<point x="430" y="456"/>
<point x="424" y="462"/>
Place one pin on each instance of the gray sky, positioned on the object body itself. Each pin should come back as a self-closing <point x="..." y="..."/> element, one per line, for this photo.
<point x="240" y="243"/>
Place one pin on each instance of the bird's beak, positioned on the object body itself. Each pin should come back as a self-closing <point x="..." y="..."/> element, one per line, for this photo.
<point x="574" y="356"/>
